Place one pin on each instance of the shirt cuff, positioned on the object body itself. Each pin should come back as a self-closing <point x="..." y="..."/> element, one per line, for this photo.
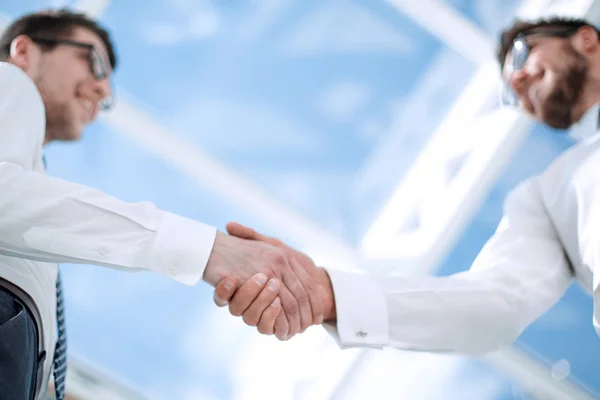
<point x="361" y="309"/>
<point x="182" y="248"/>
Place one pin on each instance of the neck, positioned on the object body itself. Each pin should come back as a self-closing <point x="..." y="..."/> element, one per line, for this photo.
<point x="591" y="94"/>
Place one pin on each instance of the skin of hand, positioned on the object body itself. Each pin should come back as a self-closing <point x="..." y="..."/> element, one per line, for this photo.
<point x="256" y="299"/>
<point x="240" y="259"/>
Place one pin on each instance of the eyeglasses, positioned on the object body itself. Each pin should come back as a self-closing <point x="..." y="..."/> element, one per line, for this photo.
<point x="519" y="52"/>
<point x="96" y="62"/>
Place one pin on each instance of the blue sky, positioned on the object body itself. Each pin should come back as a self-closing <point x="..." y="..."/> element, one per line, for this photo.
<point x="324" y="105"/>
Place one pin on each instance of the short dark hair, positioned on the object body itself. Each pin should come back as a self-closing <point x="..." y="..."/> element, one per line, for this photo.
<point x="508" y="36"/>
<point x="53" y="23"/>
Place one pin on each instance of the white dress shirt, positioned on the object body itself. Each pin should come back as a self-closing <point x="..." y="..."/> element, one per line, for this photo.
<point x="45" y="221"/>
<point x="549" y="234"/>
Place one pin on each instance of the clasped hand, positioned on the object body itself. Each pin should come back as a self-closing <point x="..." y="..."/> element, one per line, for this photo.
<point x="269" y="284"/>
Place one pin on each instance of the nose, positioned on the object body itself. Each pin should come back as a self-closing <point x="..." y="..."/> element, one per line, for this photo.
<point x="518" y="80"/>
<point x="522" y="80"/>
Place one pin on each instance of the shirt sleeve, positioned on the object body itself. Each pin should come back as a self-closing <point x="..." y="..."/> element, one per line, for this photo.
<point x="52" y="220"/>
<point x="519" y="274"/>
<point x="587" y="193"/>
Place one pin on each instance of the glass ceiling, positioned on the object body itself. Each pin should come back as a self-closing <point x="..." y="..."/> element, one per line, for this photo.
<point x="324" y="107"/>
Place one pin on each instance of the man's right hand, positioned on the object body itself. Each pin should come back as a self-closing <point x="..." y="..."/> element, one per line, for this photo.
<point x="253" y="299"/>
<point x="257" y="303"/>
<point x="241" y="259"/>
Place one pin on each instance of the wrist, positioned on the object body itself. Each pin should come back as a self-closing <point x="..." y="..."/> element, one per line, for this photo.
<point x="211" y="274"/>
<point x="327" y="296"/>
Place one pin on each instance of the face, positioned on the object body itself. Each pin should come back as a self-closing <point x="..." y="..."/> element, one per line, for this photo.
<point x="551" y="82"/>
<point x="69" y="89"/>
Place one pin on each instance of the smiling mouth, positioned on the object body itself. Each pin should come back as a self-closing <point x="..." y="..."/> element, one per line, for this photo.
<point x="89" y="107"/>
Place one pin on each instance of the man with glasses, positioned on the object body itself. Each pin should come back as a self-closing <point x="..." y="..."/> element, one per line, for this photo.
<point x="55" y="77"/>
<point x="549" y="235"/>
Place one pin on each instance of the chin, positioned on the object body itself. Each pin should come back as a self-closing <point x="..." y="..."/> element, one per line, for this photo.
<point x="72" y="135"/>
<point x="76" y="136"/>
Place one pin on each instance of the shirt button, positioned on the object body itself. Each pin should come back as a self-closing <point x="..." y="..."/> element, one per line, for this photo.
<point x="361" y="334"/>
<point x="173" y="269"/>
<point x="103" y="251"/>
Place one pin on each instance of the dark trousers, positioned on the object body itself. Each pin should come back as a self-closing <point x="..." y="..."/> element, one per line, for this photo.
<point x="18" y="349"/>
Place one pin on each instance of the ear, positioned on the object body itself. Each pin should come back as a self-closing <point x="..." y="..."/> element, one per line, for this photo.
<point x="23" y="52"/>
<point x="587" y="40"/>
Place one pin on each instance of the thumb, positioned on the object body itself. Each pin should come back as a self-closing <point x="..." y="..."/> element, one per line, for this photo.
<point x="241" y="231"/>
<point x="244" y="232"/>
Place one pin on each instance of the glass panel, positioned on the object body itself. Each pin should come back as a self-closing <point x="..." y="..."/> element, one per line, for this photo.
<point x="490" y="16"/>
<point x="325" y="105"/>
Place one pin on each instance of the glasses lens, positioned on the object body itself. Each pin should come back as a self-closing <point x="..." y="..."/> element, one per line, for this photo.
<point x="107" y="104"/>
<point x="508" y="96"/>
<point x="100" y="72"/>
<point x="519" y="53"/>
<point x="97" y="65"/>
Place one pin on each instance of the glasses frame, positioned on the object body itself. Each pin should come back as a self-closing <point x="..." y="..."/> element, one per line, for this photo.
<point x="519" y="52"/>
<point x="96" y="63"/>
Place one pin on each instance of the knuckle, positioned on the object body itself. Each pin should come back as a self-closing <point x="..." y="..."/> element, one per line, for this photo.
<point x="271" y="272"/>
<point x="265" y="331"/>
<point x="250" y="319"/>
<point x="302" y="296"/>
<point x="235" y="311"/>
<point x="222" y="293"/>
<point x="310" y="285"/>
<point x="277" y="258"/>
<point x="305" y="323"/>
<point x="292" y="310"/>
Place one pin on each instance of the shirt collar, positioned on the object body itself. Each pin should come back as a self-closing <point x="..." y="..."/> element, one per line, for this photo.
<point x="588" y="125"/>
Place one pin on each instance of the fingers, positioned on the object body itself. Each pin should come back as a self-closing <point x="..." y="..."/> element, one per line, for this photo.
<point x="246" y="294"/>
<point x="304" y="294"/>
<point x="266" y="325"/>
<point x="288" y="324"/>
<point x="297" y="308"/>
<point x="256" y="310"/>
<point x="282" y="326"/>
<point x="224" y="291"/>
<point x="300" y="302"/>
<point x="310" y="286"/>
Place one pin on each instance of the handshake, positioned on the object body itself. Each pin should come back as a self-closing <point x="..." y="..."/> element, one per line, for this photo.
<point x="269" y="284"/>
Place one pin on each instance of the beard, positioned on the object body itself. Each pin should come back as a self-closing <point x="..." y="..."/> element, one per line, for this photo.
<point x="557" y="108"/>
